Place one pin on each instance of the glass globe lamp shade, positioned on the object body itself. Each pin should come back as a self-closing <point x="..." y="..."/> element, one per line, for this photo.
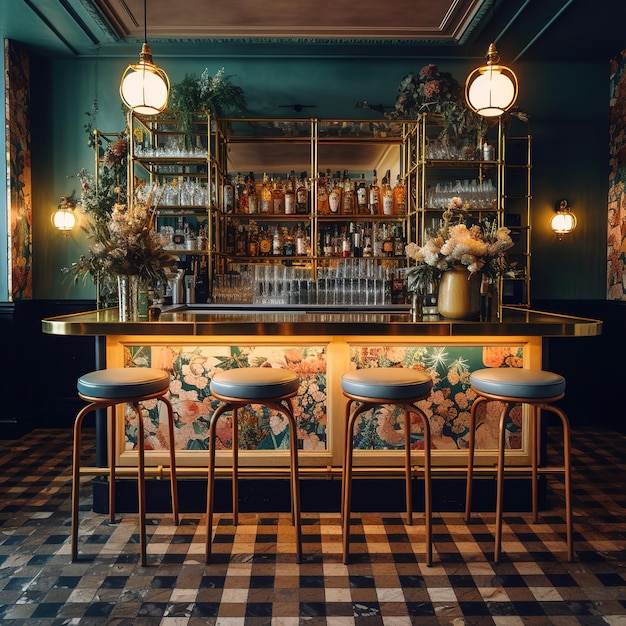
<point x="563" y="223"/>
<point x="64" y="220"/>
<point x="491" y="89"/>
<point x="144" y="87"/>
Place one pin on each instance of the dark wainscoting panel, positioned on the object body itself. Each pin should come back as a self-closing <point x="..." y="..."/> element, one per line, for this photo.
<point x="39" y="371"/>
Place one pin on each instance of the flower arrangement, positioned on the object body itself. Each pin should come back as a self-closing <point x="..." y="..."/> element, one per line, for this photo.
<point x="127" y="244"/>
<point x="433" y="91"/>
<point x="480" y="247"/>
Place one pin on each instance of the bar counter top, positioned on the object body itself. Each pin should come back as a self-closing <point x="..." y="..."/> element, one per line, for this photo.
<point x="218" y="320"/>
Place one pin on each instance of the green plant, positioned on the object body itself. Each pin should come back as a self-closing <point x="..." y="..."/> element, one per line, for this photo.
<point x="214" y="94"/>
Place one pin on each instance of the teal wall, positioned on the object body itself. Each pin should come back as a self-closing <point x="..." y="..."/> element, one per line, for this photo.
<point x="568" y="105"/>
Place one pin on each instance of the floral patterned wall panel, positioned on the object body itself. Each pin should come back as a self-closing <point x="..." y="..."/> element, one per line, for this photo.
<point x="448" y="407"/>
<point x="18" y="146"/>
<point x="616" y="240"/>
<point x="191" y="368"/>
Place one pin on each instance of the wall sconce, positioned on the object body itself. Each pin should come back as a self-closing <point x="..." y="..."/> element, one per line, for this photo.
<point x="564" y="221"/>
<point x="64" y="217"/>
<point x="491" y="89"/>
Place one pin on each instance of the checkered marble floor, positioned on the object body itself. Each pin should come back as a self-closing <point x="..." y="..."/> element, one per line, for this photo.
<point x="254" y="580"/>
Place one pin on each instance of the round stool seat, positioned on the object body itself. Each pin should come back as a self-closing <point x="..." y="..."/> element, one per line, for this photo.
<point x="516" y="382"/>
<point x="255" y="383"/>
<point x="387" y="383"/>
<point x="123" y="382"/>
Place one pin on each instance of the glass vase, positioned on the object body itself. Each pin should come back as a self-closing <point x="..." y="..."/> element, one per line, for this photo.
<point x="132" y="298"/>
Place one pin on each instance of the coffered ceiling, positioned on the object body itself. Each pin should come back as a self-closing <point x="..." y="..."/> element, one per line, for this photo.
<point x="550" y="30"/>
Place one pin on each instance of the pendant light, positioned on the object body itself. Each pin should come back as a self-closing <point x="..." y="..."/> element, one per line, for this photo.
<point x="491" y="89"/>
<point x="145" y="88"/>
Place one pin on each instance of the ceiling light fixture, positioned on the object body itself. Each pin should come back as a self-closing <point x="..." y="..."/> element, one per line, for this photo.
<point x="145" y="88"/>
<point x="491" y="89"/>
<point x="564" y="221"/>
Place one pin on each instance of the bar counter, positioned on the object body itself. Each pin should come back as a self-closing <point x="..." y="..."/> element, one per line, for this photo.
<point x="320" y="344"/>
<point x="218" y="320"/>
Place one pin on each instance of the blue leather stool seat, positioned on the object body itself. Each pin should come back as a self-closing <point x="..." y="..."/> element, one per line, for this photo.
<point x="539" y="390"/>
<point x="236" y="388"/>
<point x="254" y="383"/>
<point x="518" y="383"/>
<point x="123" y="382"/>
<point x="367" y="389"/>
<point x="387" y="383"/>
<point x="103" y="390"/>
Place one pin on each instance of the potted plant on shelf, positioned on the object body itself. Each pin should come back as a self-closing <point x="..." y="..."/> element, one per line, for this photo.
<point x="214" y="94"/>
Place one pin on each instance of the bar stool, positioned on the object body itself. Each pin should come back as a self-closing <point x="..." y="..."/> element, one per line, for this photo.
<point x="104" y="389"/>
<point x="240" y="387"/>
<point x="539" y="390"/>
<point x="366" y="389"/>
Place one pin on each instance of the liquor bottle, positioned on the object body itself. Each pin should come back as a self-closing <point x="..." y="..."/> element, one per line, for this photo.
<point x="239" y="190"/>
<point x="346" y="244"/>
<point x="266" y="195"/>
<point x="337" y="243"/>
<point x="278" y="197"/>
<point x="323" y="205"/>
<point x="399" y="197"/>
<point x="244" y="186"/>
<point x="357" y="240"/>
<point x="265" y="242"/>
<point x="327" y="249"/>
<point x="289" y="242"/>
<point x="368" y="250"/>
<point x="228" y="203"/>
<point x="277" y="242"/>
<point x="374" y="195"/>
<point x="348" y="204"/>
<point x="290" y="194"/>
<point x="387" y="242"/>
<point x="202" y="284"/>
<point x="362" y="197"/>
<point x="387" y="193"/>
<point x="253" y="198"/>
<point x="302" y="196"/>
<point x="335" y="196"/>
<point x="301" y="247"/>
<point x="398" y="242"/>
<point x="241" y="244"/>
<point x="253" y="240"/>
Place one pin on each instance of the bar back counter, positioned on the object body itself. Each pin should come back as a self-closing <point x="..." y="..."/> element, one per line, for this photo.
<point x="192" y="342"/>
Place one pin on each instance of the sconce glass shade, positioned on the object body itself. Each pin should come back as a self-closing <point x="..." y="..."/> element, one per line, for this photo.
<point x="145" y="88"/>
<point x="491" y="89"/>
<point x="64" y="219"/>
<point x="564" y="221"/>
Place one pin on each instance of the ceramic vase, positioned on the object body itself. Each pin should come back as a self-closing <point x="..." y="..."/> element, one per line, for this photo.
<point x="459" y="294"/>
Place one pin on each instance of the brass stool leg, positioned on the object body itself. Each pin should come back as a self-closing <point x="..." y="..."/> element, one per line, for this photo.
<point x="535" y="442"/>
<point x="76" y="474"/>
<point x="210" y="499"/>
<point x="112" y="436"/>
<point x="567" y="472"/>
<point x="500" y="483"/>
<point x="408" y="486"/>
<point x="235" y="484"/>
<point x="173" y="478"/>
<point x="141" y="483"/>
<point x="470" y="457"/>
<point x="428" y="492"/>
